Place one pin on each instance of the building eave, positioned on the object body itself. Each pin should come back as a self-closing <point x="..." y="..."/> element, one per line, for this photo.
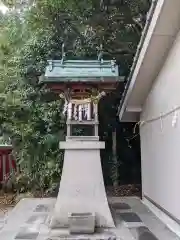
<point x="156" y="41"/>
<point x="127" y="89"/>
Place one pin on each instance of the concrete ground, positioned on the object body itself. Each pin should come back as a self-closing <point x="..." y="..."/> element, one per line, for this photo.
<point x="134" y="221"/>
<point x="139" y="220"/>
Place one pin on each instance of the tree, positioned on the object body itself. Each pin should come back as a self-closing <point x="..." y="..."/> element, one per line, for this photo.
<point x="34" y="124"/>
<point x="33" y="32"/>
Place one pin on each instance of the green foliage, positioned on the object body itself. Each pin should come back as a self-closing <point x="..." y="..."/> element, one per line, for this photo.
<point x="30" y="116"/>
<point x="31" y="33"/>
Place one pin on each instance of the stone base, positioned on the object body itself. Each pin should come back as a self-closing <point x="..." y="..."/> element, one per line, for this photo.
<point x="28" y="221"/>
<point x="100" y="234"/>
<point x="82" y="187"/>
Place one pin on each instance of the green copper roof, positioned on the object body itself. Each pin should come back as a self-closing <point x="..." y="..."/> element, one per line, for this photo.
<point x="80" y="70"/>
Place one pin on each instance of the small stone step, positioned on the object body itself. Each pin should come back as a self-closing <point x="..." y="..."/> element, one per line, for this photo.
<point x="81" y="223"/>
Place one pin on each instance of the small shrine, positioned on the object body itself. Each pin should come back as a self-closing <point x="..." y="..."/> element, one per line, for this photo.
<point x="81" y="204"/>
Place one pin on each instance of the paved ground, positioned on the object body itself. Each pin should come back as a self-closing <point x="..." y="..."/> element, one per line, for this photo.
<point x="140" y="221"/>
<point x="134" y="221"/>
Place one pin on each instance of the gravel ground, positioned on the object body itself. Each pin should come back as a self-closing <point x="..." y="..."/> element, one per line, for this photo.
<point x="124" y="190"/>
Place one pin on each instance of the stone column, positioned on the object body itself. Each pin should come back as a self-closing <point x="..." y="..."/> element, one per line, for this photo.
<point x="82" y="186"/>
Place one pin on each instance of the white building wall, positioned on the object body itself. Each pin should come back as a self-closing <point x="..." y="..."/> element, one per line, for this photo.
<point x="160" y="141"/>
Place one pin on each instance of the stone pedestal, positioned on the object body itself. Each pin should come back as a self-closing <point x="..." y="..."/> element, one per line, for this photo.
<point x="82" y="186"/>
